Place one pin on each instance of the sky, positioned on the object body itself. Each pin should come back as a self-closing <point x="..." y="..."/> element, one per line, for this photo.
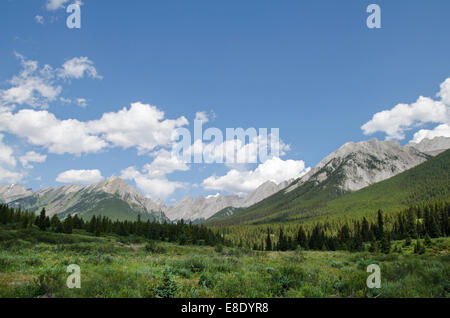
<point x="82" y="105"/>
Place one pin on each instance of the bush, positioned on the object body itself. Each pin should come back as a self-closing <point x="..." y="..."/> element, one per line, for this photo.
<point x="195" y="264"/>
<point x="152" y="247"/>
<point x="218" y="248"/>
<point x="207" y="280"/>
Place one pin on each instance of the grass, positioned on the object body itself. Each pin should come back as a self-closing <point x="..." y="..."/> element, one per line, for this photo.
<point x="34" y="265"/>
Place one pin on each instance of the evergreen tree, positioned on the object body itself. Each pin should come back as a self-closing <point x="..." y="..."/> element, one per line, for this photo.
<point x="268" y="241"/>
<point x="380" y="227"/>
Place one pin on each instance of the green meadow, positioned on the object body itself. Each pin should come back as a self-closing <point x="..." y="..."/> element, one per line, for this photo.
<point x="34" y="263"/>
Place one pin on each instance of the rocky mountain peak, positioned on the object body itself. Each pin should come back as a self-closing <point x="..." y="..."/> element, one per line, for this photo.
<point x="13" y="191"/>
<point x="432" y="146"/>
<point x="356" y="165"/>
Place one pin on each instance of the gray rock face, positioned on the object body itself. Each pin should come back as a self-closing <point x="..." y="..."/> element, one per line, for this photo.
<point x="433" y="146"/>
<point x="13" y="192"/>
<point x="205" y="207"/>
<point x="357" y="165"/>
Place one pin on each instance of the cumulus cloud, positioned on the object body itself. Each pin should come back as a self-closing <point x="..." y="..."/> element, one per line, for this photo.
<point x="83" y="177"/>
<point x="33" y="86"/>
<point x="42" y="128"/>
<point x="7" y="176"/>
<point x="31" y="156"/>
<point x="396" y="121"/>
<point x="164" y="163"/>
<point x="444" y="93"/>
<point x="8" y="162"/>
<point x="142" y="126"/>
<point x="242" y="182"/>
<point x="155" y="187"/>
<point x="6" y="154"/>
<point x="39" y="19"/>
<point x="53" y="5"/>
<point x="236" y="151"/>
<point x="152" y="180"/>
<point x="77" y="68"/>
<point x="82" y="102"/>
<point x="440" y="131"/>
<point x="37" y="87"/>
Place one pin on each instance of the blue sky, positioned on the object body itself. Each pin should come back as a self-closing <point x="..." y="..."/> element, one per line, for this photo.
<point x="313" y="69"/>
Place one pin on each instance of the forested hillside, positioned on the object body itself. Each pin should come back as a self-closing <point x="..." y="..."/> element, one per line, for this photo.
<point x="309" y="202"/>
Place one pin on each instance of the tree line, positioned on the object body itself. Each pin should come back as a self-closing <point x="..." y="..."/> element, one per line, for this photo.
<point x="428" y="220"/>
<point x="180" y="232"/>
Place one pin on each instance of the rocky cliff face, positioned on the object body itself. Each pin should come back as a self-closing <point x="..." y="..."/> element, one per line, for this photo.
<point x="433" y="146"/>
<point x="13" y="192"/>
<point x="357" y="165"/>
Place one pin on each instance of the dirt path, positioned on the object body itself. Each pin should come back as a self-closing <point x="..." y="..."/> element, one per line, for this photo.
<point x="134" y="247"/>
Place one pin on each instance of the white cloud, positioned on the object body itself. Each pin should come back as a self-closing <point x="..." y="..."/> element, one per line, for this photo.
<point x="444" y="93"/>
<point x="241" y="182"/>
<point x="164" y="163"/>
<point x="31" y="156"/>
<point x="440" y="131"/>
<point x="237" y="151"/>
<point x="78" y="67"/>
<point x="39" y="19"/>
<point x="152" y="180"/>
<point x="42" y="128"/>
<point x="53" y="5"/>
<point x="202" y="116"/>
<point x="7" y="176"/>
<point x="37" y="87"/>
<point x="403" y="117"/>
<point x="8" y="161"/>
<point x="32" y="86"/>
<point x="6" y="154"/>
<point x="80" y="176"/>
<point x="82" y="102"/>
<point x="142" y="126"/>
<point x="154" y="187"/>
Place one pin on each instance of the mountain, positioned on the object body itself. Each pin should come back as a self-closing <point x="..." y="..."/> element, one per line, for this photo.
<point x="13" y="192"/>
<point x="203" y="208"/>
<point x="352" y="167"/>
<point x="113" y="198"/>
<point x="433" y="146"/>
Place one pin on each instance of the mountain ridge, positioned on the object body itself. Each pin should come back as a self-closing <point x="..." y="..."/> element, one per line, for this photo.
<point x="352" y="167"/>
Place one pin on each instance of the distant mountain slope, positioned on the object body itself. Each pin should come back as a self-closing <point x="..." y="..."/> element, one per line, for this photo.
<point x="350" y="167"/>
<point x="13" y="192"/>
<point x="433" y="146"/>
<point x="113" y="198"/>
<point x="202" y="208"/>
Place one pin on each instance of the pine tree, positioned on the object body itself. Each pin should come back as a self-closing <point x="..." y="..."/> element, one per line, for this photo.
<point x="380" y="227"/>
<point x="268" y="241"/>
<point x="385" y="244"/>
<point x="302" y="240"/>
<point x="427" y="240"/>
<point x="68" y="224"/>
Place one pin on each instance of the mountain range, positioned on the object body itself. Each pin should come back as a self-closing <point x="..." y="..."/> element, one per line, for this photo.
<point x="352" y="167"/>
<point x="359" y="177"/>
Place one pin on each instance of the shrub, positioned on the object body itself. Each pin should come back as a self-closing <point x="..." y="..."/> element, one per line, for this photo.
<point x="218" y="248"/>
<point x="207" y="280"/>
<point x="168" y="286"/>
<point x="152" y="247"/>
<point x="195" y="264"/>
